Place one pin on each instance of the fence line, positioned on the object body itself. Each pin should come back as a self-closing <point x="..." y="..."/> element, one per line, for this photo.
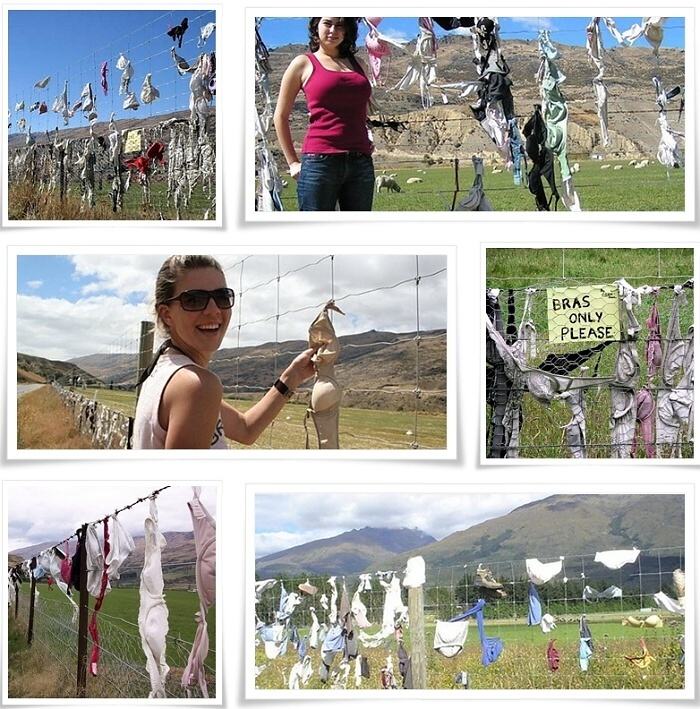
<point x="118" y="648"/>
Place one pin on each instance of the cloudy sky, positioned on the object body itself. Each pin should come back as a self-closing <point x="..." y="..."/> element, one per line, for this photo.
<point x="73" y="503"/>
<point x="69" y="306"/>
<point x="286" y="520"/>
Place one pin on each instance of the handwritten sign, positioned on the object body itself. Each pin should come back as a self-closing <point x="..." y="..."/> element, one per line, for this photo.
<point x="133" y="142"/>
<point x="583" y="314"/>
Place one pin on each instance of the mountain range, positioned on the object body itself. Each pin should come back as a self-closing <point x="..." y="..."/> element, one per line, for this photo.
<point x="376" y="362"/>
<point x="350" y="552"/>
<point x="566" y="525"/>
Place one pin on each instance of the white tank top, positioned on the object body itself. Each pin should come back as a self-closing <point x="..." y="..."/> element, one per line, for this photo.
<point x="148" y="433"/>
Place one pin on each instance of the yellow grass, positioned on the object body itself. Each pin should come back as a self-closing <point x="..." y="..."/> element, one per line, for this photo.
<point x="44" y="422"/>
<point x="23" y="376"/>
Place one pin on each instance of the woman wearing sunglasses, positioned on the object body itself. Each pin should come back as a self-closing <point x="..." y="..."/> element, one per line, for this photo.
<point x="180" y="403"/>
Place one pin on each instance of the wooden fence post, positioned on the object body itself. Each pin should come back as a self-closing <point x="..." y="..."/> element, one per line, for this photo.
<point x="454" y="196"/>
<point x="16" y="585"/>
<point x="32" y="594"/>
<point x="416" y="623"/>
<point x="145" y="350"/>
<point x="83" y="616"/>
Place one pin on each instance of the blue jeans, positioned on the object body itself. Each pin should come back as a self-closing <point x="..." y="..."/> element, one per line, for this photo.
<point x="329" y="178"/>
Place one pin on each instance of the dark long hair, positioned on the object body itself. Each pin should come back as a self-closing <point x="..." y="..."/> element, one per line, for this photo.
<point x="347" y="47"/>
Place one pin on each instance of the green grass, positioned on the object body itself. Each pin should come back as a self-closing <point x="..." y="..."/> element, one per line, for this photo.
<point x="522" y="664"/>
<point x="359" y="428"/>
<point x="121" y="608"/>
<point x="648" y="189"/>
<point x="520" y="268"/>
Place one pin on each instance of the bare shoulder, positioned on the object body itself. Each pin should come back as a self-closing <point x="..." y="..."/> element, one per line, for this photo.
<point x="193" y="383"/>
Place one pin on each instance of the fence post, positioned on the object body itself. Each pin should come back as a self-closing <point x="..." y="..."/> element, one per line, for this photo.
<point x="81" y="680"/>
<point x="16" y="585"/>
<point x="32" y="594"/>
<point x="145" y="350"/>
<point x="416" y="621"/>
<point x="454" y="196"/>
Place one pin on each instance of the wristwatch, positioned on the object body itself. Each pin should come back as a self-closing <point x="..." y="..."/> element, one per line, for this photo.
<point x="283" y="389"/>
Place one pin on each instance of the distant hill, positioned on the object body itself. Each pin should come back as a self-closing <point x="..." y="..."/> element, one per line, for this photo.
<point x="180" y="549"/>
<point x="347" y="553"/>
<point x="561" y="525"/>
<point x="364" y="365"/>
<point x="39" y="369"/>
<point x="451" y="130"/>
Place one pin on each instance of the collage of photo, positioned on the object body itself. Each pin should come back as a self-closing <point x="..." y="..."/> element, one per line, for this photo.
<point x="403" y="426"/>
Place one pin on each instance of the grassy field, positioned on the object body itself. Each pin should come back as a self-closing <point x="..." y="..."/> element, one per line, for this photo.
<point x="47" y="668"/>
<point x="648" y="189"/>
<point x="523" y="664"/>
<point x="540" y="268"/>
<point x="26" y="203"/>
<point x="359" y="428"/>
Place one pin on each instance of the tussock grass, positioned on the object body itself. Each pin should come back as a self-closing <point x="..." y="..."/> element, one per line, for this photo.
<point x="523" y="663"/>
<point x="26" y="202"/>
<point x="44" y="422"/>
<point x="24" y="377"/>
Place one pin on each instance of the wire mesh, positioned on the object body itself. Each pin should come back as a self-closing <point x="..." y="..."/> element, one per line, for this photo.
<point x="450" y="590"/>
<point x="412" y="392"/>
<point x="574" y="334"/>
<point x="121" y="669"/>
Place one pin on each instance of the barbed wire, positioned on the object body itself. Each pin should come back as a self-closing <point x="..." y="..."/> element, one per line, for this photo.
<point x="111" y="59"/>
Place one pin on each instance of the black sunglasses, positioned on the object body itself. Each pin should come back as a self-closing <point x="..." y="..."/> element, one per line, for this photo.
<point x="199" y="299"/>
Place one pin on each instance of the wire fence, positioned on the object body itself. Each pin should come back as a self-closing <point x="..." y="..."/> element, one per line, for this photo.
<point x="413" y="389"/>
<point x="582" y="589"/>
<point x="582" y="368"/>
<point x="122" y="669"/>
<point x="160" y="166"/>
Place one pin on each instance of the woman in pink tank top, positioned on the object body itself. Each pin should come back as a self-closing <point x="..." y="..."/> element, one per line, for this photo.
<point x="180" y="402"/>
<point x="336" y="168"/>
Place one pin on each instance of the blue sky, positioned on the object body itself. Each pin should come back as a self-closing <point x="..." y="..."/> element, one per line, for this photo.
<point x="72" y="44"/>
<point x="277" y="31"/>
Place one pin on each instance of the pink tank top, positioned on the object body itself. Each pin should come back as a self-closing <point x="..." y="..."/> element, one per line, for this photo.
<point x="337" y="102"/>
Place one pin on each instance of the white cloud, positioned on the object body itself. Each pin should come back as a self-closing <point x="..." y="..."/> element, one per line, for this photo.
<point x="35" y="284"/>
<point x="74" y="503"/>
<point x="534" y="23"/>
<point x="286" y="521"/>
<point x="103" y="319"/>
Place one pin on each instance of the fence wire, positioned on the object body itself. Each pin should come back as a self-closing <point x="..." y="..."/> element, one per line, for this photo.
<point x="580" y="414"/>
<point x="414" y="392"/>
<point x="450" y="590"/>
<point x="121" y="669"/>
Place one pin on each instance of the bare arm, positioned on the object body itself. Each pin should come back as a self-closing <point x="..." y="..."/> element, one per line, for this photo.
<point x="290" y="87"/>
<point x="189" y="408"/>
<point x="247" y="427"/>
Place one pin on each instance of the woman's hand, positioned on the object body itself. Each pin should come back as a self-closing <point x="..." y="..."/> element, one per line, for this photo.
<point x="295" y="169"/>
<point x="301" y="369"/>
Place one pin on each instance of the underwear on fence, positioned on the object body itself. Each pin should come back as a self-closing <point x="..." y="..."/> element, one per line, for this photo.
<point x="450" y="637"/>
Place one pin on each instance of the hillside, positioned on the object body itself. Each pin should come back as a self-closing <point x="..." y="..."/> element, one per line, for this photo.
<point x="561" y="525"/>
<point x="365" y="365"/>
<point x="39" y="369"/>
<point x="180" y="549"/>
<point x="450" y="130"/>
<point x="346" y="553"/>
